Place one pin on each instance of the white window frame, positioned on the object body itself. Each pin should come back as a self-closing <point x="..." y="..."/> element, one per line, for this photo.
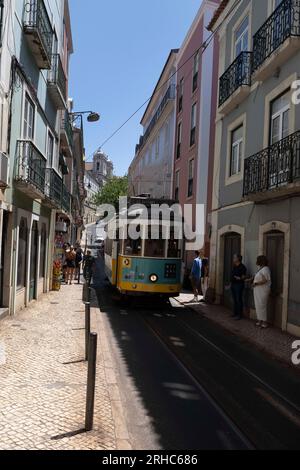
<point x="240" y="121"/>
<point x="279" y="114"/>
<point x="28" y="97"/>
<point x="236" y="145"/>
<point x="244" y="14"/>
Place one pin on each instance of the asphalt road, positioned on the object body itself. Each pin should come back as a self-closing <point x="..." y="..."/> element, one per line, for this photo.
<point x="186" y="384"/>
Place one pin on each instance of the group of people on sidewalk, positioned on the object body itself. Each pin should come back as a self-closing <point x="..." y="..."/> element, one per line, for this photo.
<point x="261" y="284"/>
<point x="74" y="260"/>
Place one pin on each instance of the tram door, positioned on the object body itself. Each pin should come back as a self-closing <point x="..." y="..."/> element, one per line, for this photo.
<point x="274" y="248"/>
<point x="33" y="261"/>
<point x="232" y="246"/>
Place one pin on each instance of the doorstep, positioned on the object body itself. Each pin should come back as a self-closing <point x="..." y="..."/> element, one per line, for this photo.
<point x="273" y="341"/>
<point x="4" y="312"/>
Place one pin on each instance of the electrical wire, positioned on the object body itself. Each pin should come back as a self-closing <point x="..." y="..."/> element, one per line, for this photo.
<point x="200" y="49"/>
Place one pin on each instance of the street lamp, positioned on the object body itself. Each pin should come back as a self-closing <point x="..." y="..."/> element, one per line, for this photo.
<point x="92" y="116"/>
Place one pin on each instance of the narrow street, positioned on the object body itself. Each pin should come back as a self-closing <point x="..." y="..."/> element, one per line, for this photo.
<point x="197" y="387"/>
<point x="166" y="379"/>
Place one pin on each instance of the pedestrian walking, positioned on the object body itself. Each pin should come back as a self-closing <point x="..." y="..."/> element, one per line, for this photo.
<point x="196" y="275"/>
<point x="262" y="290"/>
<point x="204" y="277"/>
<point x="89" y="264"/>
<point x="78" y="261"/>
<point x="70" y="258"/>
<point x="238" y="277"/>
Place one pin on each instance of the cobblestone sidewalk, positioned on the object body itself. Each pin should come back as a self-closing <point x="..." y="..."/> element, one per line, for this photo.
<point x="40" y="397"/>
<point x="272" y="340"/>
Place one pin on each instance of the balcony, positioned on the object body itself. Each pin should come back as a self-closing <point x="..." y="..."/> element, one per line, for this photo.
<point x="30" y="170"/>
<point x="57" y="82"/>
<point x="235" y="83"/>
<point x="169" y="96"/>
<point x="39" y="32"/>
<point x="66" y="200"/>
<point x="275" y="171"/>
<point x="53" y="189"/>
<point x="67" y="134"/>
<point x="277" y="40"/>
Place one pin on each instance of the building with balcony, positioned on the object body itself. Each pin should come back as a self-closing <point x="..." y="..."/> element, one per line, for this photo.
<point x="257" y="151"/>
<point x="150" y="171"/>
<point x="197" y="65"/>
<point x="36" y="51"/>
<point x="92" y="188"/>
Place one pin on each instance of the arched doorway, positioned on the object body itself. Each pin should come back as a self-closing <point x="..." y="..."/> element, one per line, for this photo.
<point x="232" y="246"/>
<point x="274" y="242"/>
<point x="33" y="261"/>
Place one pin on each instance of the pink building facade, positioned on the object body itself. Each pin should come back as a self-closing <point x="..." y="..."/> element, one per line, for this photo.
<point x="197" y="80"/>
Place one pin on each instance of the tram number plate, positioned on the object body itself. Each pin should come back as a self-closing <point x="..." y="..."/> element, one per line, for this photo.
<point x="170" y="271"/>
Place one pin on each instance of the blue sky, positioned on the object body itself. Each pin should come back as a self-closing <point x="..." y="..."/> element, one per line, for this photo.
<point x="120" y="48"/>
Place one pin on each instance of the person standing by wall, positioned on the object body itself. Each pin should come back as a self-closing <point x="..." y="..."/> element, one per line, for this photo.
<point x="204" y="277"/>
<point x="262" y="289"/>
<point x="70" y="257"/>
<point x="196" y="275"/>
<point x="239" y="274"/>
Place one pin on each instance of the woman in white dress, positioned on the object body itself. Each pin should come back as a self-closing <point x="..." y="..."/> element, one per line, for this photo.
<point x="262" y="289"/>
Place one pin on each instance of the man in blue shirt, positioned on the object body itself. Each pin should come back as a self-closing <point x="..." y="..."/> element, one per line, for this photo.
<point x="196" y="275"/>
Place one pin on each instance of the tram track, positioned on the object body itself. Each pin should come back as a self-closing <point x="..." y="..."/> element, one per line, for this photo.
<point x="275" y="424"/>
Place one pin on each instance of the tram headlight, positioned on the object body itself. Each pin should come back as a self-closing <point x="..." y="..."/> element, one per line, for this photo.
<point x="153" y="278"/>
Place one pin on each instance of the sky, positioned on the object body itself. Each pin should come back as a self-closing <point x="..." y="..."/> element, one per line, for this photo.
<point x="120" y="48"/>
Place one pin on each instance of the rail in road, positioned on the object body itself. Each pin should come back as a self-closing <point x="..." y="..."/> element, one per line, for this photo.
<point x="257" y="394"/>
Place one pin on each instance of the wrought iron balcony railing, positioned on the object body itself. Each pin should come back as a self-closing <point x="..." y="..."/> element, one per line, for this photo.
<point x="54" y="186"/>
<point x="30" y="165"/>
<point x="170" y="95"/>
<point x="274" y="167"/>
<point x="237" y="75"/>
<point x="281" y="25"/>
<point x="66" y="200"/>
<point x="56" y="76"/>
<point x="37" y="23"/>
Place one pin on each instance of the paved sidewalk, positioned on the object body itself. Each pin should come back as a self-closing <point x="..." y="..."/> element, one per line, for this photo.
<point x="40" y="397"/>
<point x="272" y="340"/>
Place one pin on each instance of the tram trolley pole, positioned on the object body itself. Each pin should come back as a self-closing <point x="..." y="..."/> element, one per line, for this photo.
<point x="91" y="383"/>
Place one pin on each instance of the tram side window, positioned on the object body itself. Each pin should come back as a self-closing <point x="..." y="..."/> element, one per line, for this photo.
<point x="174" y="249"/>
<point x="133" y="247"/>
<point x="155" y="246"/>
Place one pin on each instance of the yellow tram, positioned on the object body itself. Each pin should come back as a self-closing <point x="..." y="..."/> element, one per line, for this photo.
<point x="150" y="263"/>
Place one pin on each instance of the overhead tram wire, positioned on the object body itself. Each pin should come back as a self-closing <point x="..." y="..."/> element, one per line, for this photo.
<point x="200" y="49"/>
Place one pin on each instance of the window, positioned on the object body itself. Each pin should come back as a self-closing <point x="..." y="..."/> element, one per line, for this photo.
<point x="179" y="140"/>
<point x="155" y="245"/>
<point x="50" y="149"/>
<point x="195" y="71"/>
<point x="241" y="37"/>
<point x="28" y="124"/>
<point x="177" y="180"/>
<point x="181" y="88"/>
<point x="280" y="118"/>
<point x="193" y="124"/>
<point x="236" y="151"/>
<point x="191" y="178"/>
<point x="22" y="254"/>
<point x="43" y="253"/>
<point x="98" y="166"/>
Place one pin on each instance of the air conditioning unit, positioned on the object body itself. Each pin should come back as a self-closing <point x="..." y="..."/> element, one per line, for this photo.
<point x="3" y="170"/>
